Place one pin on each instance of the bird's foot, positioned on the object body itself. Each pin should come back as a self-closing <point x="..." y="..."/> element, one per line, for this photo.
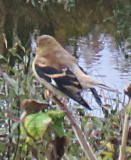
<point x="48" y="94"/>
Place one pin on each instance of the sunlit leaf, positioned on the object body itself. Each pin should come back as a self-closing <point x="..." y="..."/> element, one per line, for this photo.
<point x="37" y="124"/>
<point x="30" y="141"/>
<point x="56" y="114"/>
<point x="23" y="132"/>
<point x="110" y="147"/>
<point x="107" y="153"/>
<point x="100" y="158"/>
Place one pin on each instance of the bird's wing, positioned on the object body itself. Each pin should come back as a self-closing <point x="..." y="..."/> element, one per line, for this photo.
<point x="63" y="80"/>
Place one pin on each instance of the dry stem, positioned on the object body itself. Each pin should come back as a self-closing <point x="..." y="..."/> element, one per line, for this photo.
<point x="125" y="132"/>
<point x="79" y="134"/>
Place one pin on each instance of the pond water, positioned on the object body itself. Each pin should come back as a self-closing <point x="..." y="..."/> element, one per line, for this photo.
<point x="101" y="59"/>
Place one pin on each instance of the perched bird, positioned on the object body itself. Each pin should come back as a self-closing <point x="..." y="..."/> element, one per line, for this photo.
<point x="59" y="72"/>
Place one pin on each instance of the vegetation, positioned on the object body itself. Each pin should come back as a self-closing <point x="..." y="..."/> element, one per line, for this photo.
<point x="32" y="126"/>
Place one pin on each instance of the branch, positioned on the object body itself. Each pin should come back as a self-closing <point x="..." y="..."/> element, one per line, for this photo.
<point x="79" y="134"/>
<point x="12" y="116"/>
<point x="125" y="132"/>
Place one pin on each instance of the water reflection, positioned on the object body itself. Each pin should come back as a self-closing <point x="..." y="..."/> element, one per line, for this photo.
<point x="101" y="59"/>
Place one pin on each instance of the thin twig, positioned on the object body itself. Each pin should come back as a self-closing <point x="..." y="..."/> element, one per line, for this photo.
<point x="12" y="116"/>
<point x="125" y="132"/>
<point x="79" y="134"/>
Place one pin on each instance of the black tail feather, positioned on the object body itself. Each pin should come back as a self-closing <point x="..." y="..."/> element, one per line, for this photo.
<point x="76" y="97"/>
<point x="96" y="96"/>
<point x="85" y="104"/>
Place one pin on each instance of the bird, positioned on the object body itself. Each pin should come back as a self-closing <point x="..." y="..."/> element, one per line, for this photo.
<point x="59" y="72"/>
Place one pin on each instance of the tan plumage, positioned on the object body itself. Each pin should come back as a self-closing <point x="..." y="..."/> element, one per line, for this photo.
<point x="58" y="70"/>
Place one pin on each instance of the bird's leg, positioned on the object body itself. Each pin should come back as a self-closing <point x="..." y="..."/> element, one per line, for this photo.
<point x="49" y="96"/>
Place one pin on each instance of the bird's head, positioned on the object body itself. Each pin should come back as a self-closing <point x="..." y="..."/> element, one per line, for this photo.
<point x="46" y="44"/>
<point x="46" y="41"/>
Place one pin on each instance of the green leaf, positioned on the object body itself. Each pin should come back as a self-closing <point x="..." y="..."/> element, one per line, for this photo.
<point x="22" y="130"/>
<point x="22" y="47"/>
<point x="17" y="55"/>
<point x="107" y="153"/>
<point x="58" y="126"/>
<point x="12" y="51"/>
<point x="58" y="118"/>
<point x="97" y="122"/>
<point x="37" y="124"/>
<point x="56" y="114"/>
<point x="14" y="84"/>
<point x="2" y="57"/>
<point x="11" y="81"/>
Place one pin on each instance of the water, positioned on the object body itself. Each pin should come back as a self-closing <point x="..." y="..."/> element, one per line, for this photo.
<point x="101" y="59"/>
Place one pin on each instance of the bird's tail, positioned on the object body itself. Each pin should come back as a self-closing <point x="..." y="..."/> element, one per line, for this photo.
<point x="103" y="86"/>
<point x="88" y="82"/>
<point x="96" y="96"/>
<point x="77" y="97"/>
<point x="85" y="104"/>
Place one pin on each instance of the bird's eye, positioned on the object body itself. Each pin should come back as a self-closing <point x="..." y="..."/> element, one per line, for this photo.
<point x="46" y="40"/>
<point x="43" y="41"/>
